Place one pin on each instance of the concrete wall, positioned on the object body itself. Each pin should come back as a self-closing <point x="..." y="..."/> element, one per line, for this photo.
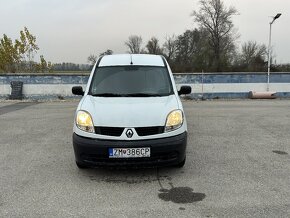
<point x="234" y="85"/>
<point x="43" y="86"/>
<point x="214" y="85"/>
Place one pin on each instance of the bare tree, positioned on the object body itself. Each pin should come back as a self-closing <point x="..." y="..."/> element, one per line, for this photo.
<point x="134" y="44"/>
<point x="189" y="54"/>
<point x="215" y="18"/>
<point x="153" y="46"/>
<point x="170" y="47"/>
<point x="27" y="47"/>
<point x="92" y="59"/>
<point x="252" y="51"/>
<point x="253" y="56"/>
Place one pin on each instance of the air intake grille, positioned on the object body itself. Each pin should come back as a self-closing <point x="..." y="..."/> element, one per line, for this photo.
<point x="117" y="131"/>
<point x="111" y="131"/>
<point x="151" y="130"/>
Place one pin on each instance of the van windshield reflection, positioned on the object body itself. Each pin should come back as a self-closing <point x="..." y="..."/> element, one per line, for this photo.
<point x="131" y="81"/>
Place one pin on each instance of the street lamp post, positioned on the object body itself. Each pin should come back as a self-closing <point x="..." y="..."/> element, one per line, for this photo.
<point x="269" y="51"/>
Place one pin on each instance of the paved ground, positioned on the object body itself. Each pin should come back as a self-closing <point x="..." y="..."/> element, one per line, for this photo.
<point x="231" y="170"/>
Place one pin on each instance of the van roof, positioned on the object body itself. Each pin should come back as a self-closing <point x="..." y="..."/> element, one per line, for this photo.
<point x="131" y="59"/>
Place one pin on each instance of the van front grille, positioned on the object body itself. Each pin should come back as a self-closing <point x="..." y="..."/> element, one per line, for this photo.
<point x="111" y="131"/>
<point x="117" y="131"/>
<point x="151" y="130"/>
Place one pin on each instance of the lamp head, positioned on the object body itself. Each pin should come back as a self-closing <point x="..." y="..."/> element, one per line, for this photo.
<point x="277" y="16"/>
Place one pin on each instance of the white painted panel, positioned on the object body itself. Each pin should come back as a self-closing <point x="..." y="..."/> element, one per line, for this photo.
<point x="65" y="89"/>
<point x="237" y="87"/>
<point x="5" y="89"/>
<point x="280" y="87"/>
<point x="48" y="89"/>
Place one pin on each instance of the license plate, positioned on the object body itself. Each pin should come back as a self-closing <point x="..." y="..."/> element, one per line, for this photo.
<point x="129" y="152"/>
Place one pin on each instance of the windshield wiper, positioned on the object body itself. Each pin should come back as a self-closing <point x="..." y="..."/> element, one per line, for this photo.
<point x="128" y="95"/>
<point x="108" y="95"/>
<point x="144" y="95"/>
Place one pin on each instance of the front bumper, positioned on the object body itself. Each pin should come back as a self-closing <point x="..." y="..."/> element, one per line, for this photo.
<point x="164" y="151"/>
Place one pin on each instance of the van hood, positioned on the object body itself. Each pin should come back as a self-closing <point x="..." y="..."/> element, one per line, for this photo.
<point x="129" y="111"/>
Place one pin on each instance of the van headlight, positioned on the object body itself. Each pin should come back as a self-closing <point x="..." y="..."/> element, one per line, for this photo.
<point x="84" y="121"/>
<point x="174" y="120"/>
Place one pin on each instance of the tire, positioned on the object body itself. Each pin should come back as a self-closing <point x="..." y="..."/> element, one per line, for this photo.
<point x="181" y="164"/>
<point x="81" y="166"/>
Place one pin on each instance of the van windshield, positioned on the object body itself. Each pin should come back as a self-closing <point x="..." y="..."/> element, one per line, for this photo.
<point x="131" y="81"/>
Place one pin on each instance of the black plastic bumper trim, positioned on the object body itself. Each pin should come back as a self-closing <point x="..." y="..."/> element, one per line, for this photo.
<point x="164" y="151"/>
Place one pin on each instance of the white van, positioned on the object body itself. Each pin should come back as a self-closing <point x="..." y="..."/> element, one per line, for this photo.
<point x="130" y="114"/>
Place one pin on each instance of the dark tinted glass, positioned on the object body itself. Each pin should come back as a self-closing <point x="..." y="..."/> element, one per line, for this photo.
<point x="138" y="81"/>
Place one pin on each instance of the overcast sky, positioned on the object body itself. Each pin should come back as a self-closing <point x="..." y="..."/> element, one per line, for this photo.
<point x="71" y="30"/>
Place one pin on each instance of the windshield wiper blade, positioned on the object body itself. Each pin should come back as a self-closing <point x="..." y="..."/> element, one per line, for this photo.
<point x="143" y="95"/>
<point x="108" y="95"/>
<point x="127" y="95"/>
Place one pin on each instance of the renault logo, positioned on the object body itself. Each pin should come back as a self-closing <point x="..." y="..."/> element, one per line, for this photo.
<point x="129" y="133"/>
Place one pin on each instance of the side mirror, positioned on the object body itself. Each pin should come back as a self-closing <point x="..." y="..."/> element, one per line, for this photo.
<point x="77" y="90"/>
<point x="184" y="90"/>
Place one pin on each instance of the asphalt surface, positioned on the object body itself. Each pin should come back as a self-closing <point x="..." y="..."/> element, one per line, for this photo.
<point x="238" y="165"/>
